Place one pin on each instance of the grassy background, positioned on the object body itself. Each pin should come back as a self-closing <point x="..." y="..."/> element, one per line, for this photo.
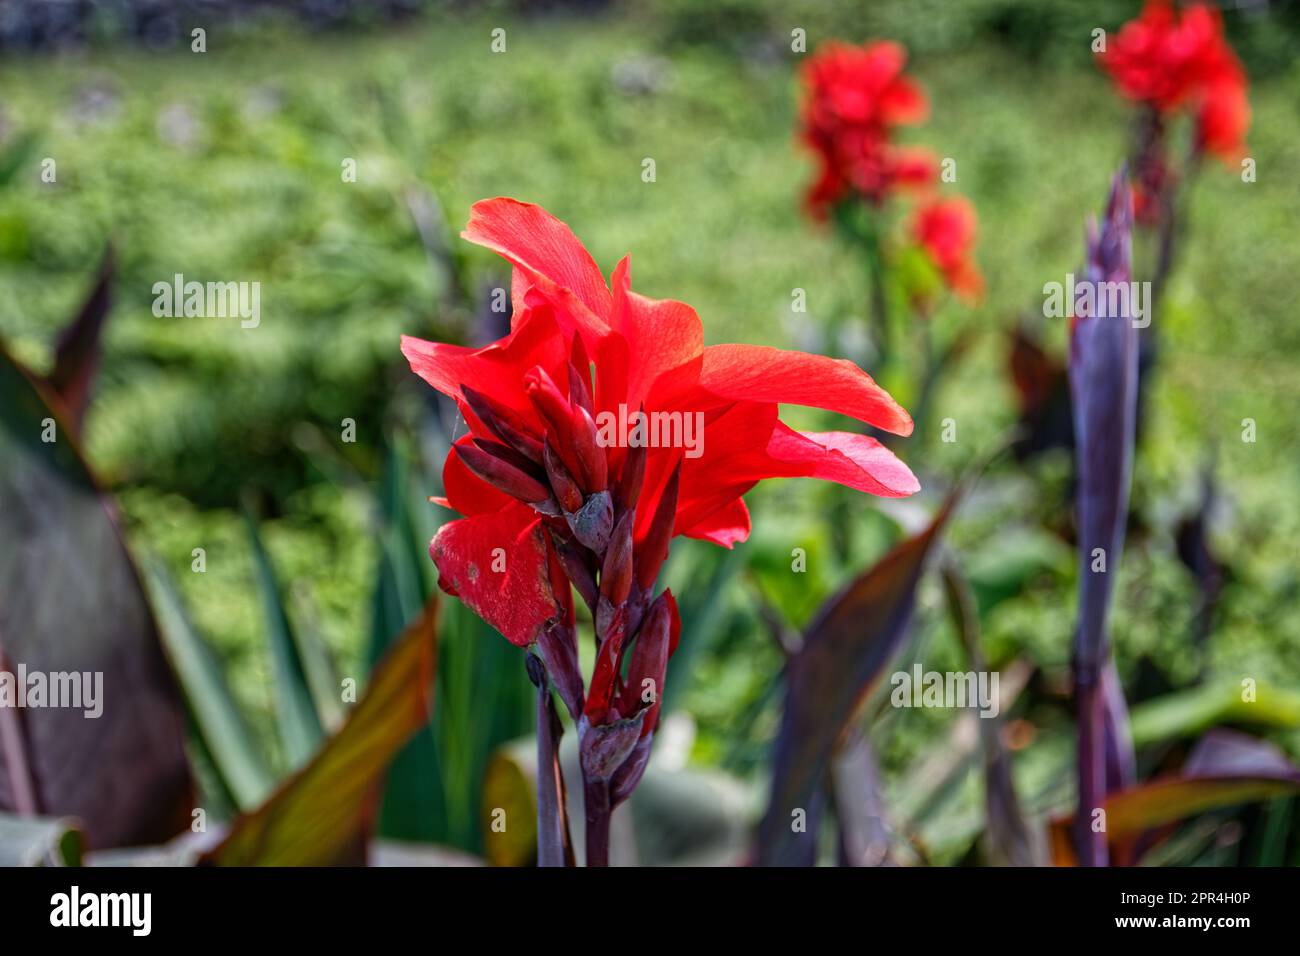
<point x="226" y="166"/>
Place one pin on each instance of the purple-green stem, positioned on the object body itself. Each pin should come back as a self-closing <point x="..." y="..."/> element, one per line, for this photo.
<point x="553" y="848"/>
<point x="879" y="296"/>
<point x="595" y="794"/>
<point x="1090" y="844"/>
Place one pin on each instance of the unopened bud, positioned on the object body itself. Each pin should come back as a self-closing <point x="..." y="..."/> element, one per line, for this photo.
<point x="628" y="775"/>
<point x="556" y="413"/>
<point x="616" y="572"/>
<point x="502" y="422"/>
<point x="593" y="522"/>
<point x="591" y="457"/>
<point x="603" y="748"/>
<point x="567" y="492"/>
<point x="653" y="550"/>
<point x="632" y="477"/>
<point x="501" y="474"/>
<point x="576" y="562"/>
<point x="558" y="646"/>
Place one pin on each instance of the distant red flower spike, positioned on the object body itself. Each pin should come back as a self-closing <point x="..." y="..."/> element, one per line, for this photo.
<point x="1173" y="59"/>
<point x="945" y="229"/>
<point x="853" y="98"/>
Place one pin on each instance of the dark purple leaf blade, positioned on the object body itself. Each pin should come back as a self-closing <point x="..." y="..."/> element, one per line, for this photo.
<point x="865" y="831"/>
<point x="76" y="357"/>
<point x="71" y="601"/>
<point x="853" y="637"/>
<point x="322" y="814"/>
<point x="1012" y="839"/>
<point x="1103" y="375"/>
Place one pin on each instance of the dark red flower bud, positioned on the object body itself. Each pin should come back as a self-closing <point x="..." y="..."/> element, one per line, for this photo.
<point x="558" y="646"/>
<point x="577" y="564"/>
<point x="556" y="413"/>
<point x="502" y="474"/>
<point x="605" y="675"/>
<point x="591" y="457"/>
<point x="653" y="550"/>
<point x="632" y="477"/>
<point x="628" y="775"/>
<point x="567" y="492"/>
<point x="649" y="663"/>
<point x="593" y="522"/>
<point x="511" y="457"/>
<point x="580" y="375"/>
<point x="502" y="422"/>
<point x="616" y="572"/>
<point x="603" y="748"/>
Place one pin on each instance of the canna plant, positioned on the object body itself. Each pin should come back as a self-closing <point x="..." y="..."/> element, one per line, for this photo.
<point x="600" y="428"/>
<point x="854" y="99"/>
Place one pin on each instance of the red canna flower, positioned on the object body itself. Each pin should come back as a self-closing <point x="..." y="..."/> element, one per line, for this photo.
<point x="854" y="96"/>
<point x="599" y="428"/>
<point x="531" y="392"/>
<point x="945" y="229"/>
<point x="1170" y="60"/>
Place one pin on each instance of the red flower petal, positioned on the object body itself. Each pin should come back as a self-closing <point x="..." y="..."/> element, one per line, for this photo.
<point x="761" y="374"/>
<point x="726" y="526"/>
<point x="509" y="588"/>
<point x="858" y="461"/>
<point x="662" y="336"/>
<point x="536" y="241"/>
<point x="495" y="370"/>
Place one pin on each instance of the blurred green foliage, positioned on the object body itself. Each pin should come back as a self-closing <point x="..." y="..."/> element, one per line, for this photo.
<point x="227" y="166"/>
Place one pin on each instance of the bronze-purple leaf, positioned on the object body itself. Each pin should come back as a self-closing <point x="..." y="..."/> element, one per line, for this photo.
<point x="71" y="603"/>
<point x="853" y="637"/>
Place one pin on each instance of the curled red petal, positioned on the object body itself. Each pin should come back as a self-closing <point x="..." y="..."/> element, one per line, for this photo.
<point x="727" y="525"/>
<point x="534" y="240"/>
<point x="847" y="458"/>
<point x="762" y="374"/>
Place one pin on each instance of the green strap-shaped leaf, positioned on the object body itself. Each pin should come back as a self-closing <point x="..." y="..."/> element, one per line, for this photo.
<point x="320" y="816"/>
<point x="299" y="724"/>
<point x="235" y="754"/>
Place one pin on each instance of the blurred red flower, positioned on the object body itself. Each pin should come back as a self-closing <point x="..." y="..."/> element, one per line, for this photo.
<point x="854" y="97"/>
<point x="945" y="229"/>
<point x="1171" y="60"/>
<point x="544" y="496"/>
